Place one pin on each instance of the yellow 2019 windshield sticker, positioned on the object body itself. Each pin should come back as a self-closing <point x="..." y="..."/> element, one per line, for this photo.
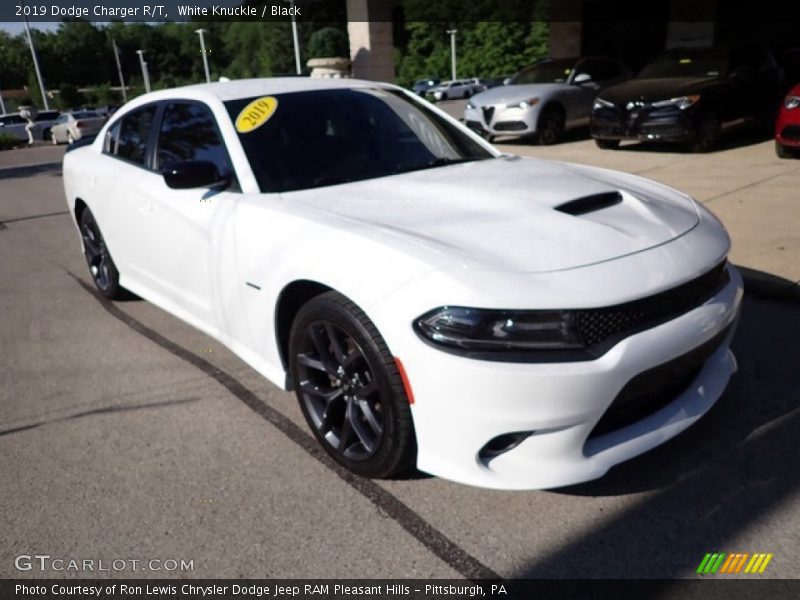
<point x="255" y="114"/>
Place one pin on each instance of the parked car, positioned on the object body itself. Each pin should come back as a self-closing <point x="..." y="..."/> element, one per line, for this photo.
<point x="70" y="127"/>
<point x="14" y="124"/>
<point x="106" y="110"/>
<point x="481" y="85"/>
<point x="498" y="81"/>
<point x="690" y="95"/>
<point x="453" y="90"/>
<point x="545" y="99"/>
<point x="422" y="86"/>
<point x="501" y="321"/>
<point x="787" y="127"/>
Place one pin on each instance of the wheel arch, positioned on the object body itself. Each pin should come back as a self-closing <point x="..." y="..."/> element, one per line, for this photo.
<point x="290" y="300"/>
<point x="80" y="206"/>
<point x="553" y="103"/>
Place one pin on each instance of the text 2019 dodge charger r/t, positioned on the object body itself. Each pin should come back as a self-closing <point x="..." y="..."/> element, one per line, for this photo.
<point x="498" y="321"/>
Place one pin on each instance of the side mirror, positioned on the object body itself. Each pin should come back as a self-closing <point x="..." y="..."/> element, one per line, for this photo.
<point x="582" y="78"/>
<point x="194" y="174"/>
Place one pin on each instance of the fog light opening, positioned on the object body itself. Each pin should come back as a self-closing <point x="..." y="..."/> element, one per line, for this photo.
<point x="502" y="444"/>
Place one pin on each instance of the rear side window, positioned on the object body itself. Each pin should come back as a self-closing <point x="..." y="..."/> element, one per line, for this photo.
<point x="134" y="131"/>
<point x="189" y="132"/>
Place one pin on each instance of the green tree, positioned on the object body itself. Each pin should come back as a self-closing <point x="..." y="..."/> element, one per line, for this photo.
<point x="70" y="97"/>
<point x="328" y="42"/>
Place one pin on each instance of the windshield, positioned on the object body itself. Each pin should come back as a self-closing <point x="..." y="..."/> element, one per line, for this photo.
<point x="690" y="63"/>
<point x="325" y="137"/>
<point x="551" y="71"/>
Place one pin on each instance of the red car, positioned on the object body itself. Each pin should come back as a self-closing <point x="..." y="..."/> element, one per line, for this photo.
<point x="787" y="128"/>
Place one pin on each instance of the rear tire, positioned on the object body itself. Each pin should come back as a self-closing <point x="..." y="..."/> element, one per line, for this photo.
<point x="101" y="266"/>
<point x="349" y="388"/>
<point x="607" y="144"/>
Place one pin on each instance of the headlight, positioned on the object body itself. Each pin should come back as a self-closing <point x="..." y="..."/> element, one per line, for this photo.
<point x="682" y="102"/>
<point x="483" y="330"/>
<point x="791" y="102"/>
<point x="600" y="103"/>
<point x="524" y="103"/>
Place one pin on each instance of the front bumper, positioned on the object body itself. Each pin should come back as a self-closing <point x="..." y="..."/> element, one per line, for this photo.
<point x="643" y="124"/>
<point x="463" y="404"/>
<point x="788" y="133"/>
<point x="502" y="119"/>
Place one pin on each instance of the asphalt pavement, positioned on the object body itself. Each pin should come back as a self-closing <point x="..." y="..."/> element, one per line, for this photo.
<point x="126" y="434"/>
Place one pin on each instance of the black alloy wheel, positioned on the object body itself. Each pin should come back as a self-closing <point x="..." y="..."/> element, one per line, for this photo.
<point x="101" y="266"/>
<point x="349" y="388"/>
<point x="551" y="126"/>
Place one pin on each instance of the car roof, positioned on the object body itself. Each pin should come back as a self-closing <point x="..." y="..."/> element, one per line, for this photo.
<point x="248" y="88"/>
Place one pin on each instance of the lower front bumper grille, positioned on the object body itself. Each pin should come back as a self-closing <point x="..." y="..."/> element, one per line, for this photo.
<point x="652" y="390"/>
<point x="791" y="132"/>
<point x="510" y="126"/>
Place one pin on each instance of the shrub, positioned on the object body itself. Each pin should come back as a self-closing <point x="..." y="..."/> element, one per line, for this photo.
<point x="328" y="42"/>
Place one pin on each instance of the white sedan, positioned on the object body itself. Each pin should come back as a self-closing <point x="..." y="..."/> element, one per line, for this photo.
<point x="503" y="322"/>
<point x="73" y="126"/>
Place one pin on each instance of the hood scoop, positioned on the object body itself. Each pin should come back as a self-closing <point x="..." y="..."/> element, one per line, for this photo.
<point x="588" y="204"/>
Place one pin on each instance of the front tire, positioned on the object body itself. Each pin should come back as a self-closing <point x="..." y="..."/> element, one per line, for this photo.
<point x="707" y="134"/>
<point x="101" y="266"/>
<point x="606" y="144"/>
<point x="782" y="151"/>
<point x="551" y="126"/>
<point x="349" y="388"/>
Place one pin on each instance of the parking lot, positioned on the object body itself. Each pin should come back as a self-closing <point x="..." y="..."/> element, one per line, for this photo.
<point x="126" y="434"/>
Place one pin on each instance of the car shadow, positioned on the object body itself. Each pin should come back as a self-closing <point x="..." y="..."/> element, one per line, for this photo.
<point x="701" y="489"/>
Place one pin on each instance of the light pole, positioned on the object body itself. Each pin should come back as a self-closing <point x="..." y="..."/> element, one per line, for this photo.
<point x="294" y="37"/>
<point x="200" y="32"/>
<point x="119" y="71"/>
<point x="145" y="74"/>
<point x="452" y="33"/>
<point x="36" y="64"/>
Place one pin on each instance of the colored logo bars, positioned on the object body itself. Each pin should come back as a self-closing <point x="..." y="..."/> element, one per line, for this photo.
<point x="719" y="562"/>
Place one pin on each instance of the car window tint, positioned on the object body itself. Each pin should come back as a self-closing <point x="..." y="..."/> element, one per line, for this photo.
<point x="325" y="137"/>
<point x="189" y="132"/>
<point x="86" y="115"/>
<point x="133" y="134"/>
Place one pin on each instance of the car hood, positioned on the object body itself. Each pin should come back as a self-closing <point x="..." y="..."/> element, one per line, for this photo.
<point x="649" y="90"/>
<point x="508" y="94"/>
<point x="503" y="214"/>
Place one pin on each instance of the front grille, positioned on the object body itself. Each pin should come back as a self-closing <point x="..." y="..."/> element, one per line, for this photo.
<point x="600" y="327"/>
<point x="652" y="390"/>
<point x="510" y="126"/>
<point x="791" y="132"/>
<point x="488" y="111"/>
